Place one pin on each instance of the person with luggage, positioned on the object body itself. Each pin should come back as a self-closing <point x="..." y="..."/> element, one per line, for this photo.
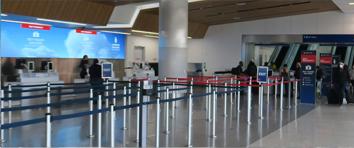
<point x="337" y="94"/>
<point x="96" y="80"/>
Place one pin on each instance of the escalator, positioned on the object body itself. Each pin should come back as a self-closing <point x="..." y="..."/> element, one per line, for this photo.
<point x="303" y="47"/>
<point x="280" y="57"/>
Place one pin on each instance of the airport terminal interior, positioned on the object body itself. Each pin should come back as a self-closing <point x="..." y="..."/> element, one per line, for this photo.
<point x="177" y="73"/>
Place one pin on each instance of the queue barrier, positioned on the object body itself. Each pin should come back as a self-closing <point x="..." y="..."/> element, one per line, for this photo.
<point x="139" y="104"/>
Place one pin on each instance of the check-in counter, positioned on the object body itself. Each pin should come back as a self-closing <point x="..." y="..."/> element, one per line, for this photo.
<point x="34" y="79"/>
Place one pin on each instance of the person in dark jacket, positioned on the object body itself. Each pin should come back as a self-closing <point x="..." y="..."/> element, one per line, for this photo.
<point x="84" y="66"/>
<point x="338" y="81"/>
<point x="297" y="73"/>
<point x="319" y="77"/>
<point x="96" y="77"/>
<point x="238" y="70"/>
<point x="251" y="69"/>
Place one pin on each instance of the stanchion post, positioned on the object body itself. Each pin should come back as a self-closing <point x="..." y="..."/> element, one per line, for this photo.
<point x="91" y="115"/>
<point x="10" y="102"/>
<point x="268" y="91"/>
<point x="167" y="111"/>
<point x="206" y="100"/>
<point x="214" y="113"/>
<point x="276" y="88"/>
<point x="249" y="101"/>
<point x="281" y="94"/>
<point x="138" y="117"/>
<point x="190" y="104"/>
<point x="158" y="89"/>
<point x="158" y="122"/>
<point x="99" y="122"/>
<point x="231" y="94"/>
<point x="48" y="97"/>
<point x="238" y="96"/>
<point x="130" y="92"/>
<point x="124" y="110"/>
<point x="106" y="94"/>
<point x="225" y="99"/>
<point x="261" y="102"/>
<point x="2" y="139"/>
<point x="191" y="87"/>
<point x="295" y="96"/>
<point x="173" y="96"/>
<point x="114" y="93"/>
<point x="209" y="104"/>
<point x="112" y="124"/>
<point x="289" y="94"/>
<point x="48" y="130"/>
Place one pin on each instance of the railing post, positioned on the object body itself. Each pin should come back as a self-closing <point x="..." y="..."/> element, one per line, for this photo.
<point x="167" y="111"/>
<point x="91" y="115"/>
<point x="48" y="130"/>
<point x="231" y="94"/>
<point x="261" y="101"/>
<point x="10" y="102"/>
<point x="214" y="113"/>
<point x="281" y="94"/>
<point x="124" y="110"/>
<point x="289" y="94"/>
<point x="173" y="103"/>
<point x="114" y="93"/>
<point x="158" y="122"/>
<point x="48" y="98"/>
<point x="130" y="92"/>
<point x="2" y="139"/>
<point x="138" y="117"/>
<point x="209" y="104"/>
<point x="190" y="104"/>
<point x="206" y="100"/>
<point x="268" y="91"/>
<point x="238" y="96"/>
<point x="295" y="96"/>
<point x="225" y="101"/>
<point x="249" y="101"/>
<point x="106" y="94"/>
<point x="276" y="89"/>
<point x="158" y="89"/>
<point x="112" y="124"/>
<point x="99" y="121"/>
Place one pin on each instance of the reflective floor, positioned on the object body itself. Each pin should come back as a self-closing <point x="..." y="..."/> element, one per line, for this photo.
<point x="231" y="131"/>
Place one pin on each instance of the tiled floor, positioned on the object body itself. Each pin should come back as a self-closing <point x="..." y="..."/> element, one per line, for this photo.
<point x="232" y="131"/>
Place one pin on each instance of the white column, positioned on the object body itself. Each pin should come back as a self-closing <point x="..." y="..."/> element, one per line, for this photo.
<point x="173" y="32"/>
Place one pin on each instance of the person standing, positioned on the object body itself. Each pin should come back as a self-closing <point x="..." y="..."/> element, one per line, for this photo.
<point x="96" y="80"/>
<point x="284" y="73"/>
<point x="238" y="70"/>
<point x="338" y="82"/>
<point x="84" y="64"/>
<point x="352" y="78"/>
<point x="319" y="77"/>
<point x="297" y="73"/>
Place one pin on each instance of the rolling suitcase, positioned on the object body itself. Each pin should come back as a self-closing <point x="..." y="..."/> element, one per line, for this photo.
<point x="334" y="97"/>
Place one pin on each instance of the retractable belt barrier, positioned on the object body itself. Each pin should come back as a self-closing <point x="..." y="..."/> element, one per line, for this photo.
<point x="236" y="85"/>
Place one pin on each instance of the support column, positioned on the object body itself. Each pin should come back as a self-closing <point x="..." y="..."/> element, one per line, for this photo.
<point x="173" y="32"/>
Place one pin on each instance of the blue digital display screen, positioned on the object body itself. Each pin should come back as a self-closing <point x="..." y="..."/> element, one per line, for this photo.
<point x="26" y="41"/>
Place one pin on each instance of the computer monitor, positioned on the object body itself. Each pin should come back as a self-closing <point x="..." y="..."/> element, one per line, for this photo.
<point x="50" y="66"/>
<point x="30" y="66"/>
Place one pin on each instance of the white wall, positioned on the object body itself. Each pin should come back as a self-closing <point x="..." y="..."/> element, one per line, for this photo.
<point x="223" y="43"/>
<point x="221" y="47"/>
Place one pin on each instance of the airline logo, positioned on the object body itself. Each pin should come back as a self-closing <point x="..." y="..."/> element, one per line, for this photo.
<point x="35" y="26"/>
<point x="86" y="31"/>
<point x="326" y="60"/>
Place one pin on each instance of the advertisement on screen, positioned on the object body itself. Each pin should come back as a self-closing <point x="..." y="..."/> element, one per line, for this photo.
<point x="308" y="77"/>
<point x="326" y="66"/>
<point x="41" y="41"/>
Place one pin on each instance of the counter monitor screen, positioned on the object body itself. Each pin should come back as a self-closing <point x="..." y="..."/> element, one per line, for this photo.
<point x="30" y="66"/>
<point x="50" y="66"/>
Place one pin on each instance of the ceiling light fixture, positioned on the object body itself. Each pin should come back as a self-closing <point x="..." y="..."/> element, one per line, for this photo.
<point x="351" y="3"/>
<point x="241" y="4"/>
<point x="3" y="14"/>
<point x="145" y="32"/>
<point x="152" y="36"/>
<point x="117" y="32"/>
<point x="63" y="22"/>
<point x="22" y="22"/>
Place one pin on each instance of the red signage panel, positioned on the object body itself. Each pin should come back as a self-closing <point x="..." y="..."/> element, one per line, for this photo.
<point x="35" y="26"/>
<point x="86" y="31"/>
<point x="308" y="57"/>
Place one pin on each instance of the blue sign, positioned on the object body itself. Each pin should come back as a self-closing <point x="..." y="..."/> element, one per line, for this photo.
<point x="308" y="77"/>
<point x="107" y="70"/>
<point x="38" y="41"/>
<point x="335" y="38"/>
<point x="262" y="74"/>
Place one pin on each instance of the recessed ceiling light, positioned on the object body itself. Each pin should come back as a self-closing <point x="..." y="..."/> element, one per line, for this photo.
<point x="351" y="3"/>
<point x="241" y="4"/>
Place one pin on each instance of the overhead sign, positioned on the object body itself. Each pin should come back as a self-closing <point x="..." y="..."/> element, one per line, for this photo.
<point x="326" y="60"/>
<point x="262" y="74"/>
<point x="326" y="38"/>
<point x="107" y="70"/>
<point x="43" y="41"/>
<point x="308" y="77"/>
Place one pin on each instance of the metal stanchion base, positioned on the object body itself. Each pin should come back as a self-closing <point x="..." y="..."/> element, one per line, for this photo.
<point x="212" y="136"/>
<point x="172" y="117"/>
<point x="123" y="128"/>
<point x="166" y="132"/>
<point x="91" y="136"/>
<point x="249" y="123"/>
<point x="225" y="116"/>
<point x="261" y="118"/>
<point x="189" y="146"/>
<point x="2" y="141"/>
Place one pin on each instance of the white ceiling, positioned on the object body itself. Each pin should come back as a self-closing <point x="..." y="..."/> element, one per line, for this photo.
<point x="344" y="5"/>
